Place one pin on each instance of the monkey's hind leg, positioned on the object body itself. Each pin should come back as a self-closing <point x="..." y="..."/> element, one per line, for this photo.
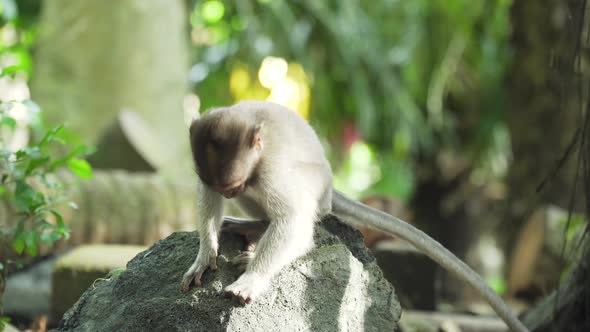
<point x="285" y="240"/>
<point x="252" y="230"/>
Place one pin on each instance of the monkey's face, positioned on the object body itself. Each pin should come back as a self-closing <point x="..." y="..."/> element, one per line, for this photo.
<point x="226" y="152"/>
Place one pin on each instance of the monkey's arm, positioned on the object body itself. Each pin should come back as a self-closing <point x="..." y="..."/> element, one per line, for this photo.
<point x="357" y="213"/>
<point x="289" y="235"/>
<point x="210" y="209"/>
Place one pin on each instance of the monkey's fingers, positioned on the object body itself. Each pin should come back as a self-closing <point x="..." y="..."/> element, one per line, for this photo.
<point x="189" y="277"/>
<point x="195" y="272"/>
<point x="247" y="288"/>
<point x="240" y="298"/>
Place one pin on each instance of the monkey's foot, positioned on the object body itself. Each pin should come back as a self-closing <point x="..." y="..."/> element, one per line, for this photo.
<point x="247" y="288"/>
<point x="194" y="273"/>
<point x="242" y="260"/>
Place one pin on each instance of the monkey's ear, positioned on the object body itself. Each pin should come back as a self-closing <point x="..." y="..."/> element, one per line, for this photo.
<point x="256" y="142"/>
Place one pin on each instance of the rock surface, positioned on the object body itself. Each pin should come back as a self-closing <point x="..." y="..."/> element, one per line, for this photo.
<point x="78" y="269"/>
<point x="336" y="287"/>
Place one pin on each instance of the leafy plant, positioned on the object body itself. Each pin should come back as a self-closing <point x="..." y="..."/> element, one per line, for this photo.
<point x="29" y="184"/>
<point x="414" y="77"/>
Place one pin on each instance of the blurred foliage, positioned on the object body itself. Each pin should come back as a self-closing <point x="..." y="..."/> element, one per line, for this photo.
<point x="395" y="82"/>
<point x="24" y="171"/>
<point x="26" y="182"/>
<point x="413" y="77"/>
<point x="29" y="152"/>
<point x="18" y="32"/>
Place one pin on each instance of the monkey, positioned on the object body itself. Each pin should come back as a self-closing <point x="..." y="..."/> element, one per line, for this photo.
<point x="271" y="161"/>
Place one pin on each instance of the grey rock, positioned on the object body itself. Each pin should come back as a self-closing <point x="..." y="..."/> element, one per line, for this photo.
<point x="336" y="287"/>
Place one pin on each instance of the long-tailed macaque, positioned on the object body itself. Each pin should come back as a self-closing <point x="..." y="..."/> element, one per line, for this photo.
<point x="271" y="161"/>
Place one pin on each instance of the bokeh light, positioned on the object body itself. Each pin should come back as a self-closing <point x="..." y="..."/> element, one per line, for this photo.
<point x="287" y="82"/>
<point x="285" y="92"/>
<point x="239" y="81"/>
<point x="213" y="11"/>
<point x="278" y="81"/>
<point x="272" y="71"/>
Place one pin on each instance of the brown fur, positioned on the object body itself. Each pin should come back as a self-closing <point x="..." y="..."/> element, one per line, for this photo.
<point x="223" y="151"/>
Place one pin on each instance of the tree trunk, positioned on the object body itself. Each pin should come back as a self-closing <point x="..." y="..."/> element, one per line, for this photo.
<point x="96" y="59"/>
<point x="548" y="121"/>
<point x="545" y="108"/>
<point x="545" y="113"/>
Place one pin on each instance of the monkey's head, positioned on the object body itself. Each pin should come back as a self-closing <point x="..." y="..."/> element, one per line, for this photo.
<point x="226" y="146"/>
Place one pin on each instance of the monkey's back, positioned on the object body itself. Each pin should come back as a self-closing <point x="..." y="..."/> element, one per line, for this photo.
<point x="293" y="147"/>
<point x="285" y="132"/>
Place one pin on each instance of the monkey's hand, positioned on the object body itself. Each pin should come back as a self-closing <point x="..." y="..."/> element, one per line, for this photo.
<point x="207" y="258"/>
<point x="248" y="287"/>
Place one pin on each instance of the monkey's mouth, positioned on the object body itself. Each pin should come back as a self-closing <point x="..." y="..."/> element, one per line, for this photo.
<point x="232" y="190"/>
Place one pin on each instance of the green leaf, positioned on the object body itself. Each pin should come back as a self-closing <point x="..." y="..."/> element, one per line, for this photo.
<point x="32" y="243"/>
<point x="81" y="168"/>
<point x="50" y="135"/>
<point x="8" y="121"/>
<point x="11" y="70"/>
<point x="63" y="231"/>
<point x="2" y="190"/>
<point x="21" y="154"/>
<point x="18" y="244"/>
<point x="36" y="163"/>
<point x="79" y="150"/>
<point x="26" y="198"/>
<point x="20" y="227"/>
<point x="58" y="218"/>
<point x="1" y="266"/>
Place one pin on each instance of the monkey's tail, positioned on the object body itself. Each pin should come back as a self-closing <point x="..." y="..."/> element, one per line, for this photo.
<point x="356" y="213"/>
